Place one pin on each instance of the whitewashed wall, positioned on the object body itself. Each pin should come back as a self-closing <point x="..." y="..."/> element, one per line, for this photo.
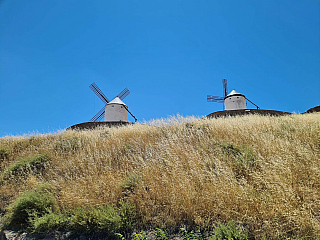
<point x="115" y="113"/>
<point x="235" y="102"/>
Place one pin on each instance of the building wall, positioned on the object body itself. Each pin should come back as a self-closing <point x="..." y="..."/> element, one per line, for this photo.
<point x="115" y="113"/>
<point x="235" y="102"/>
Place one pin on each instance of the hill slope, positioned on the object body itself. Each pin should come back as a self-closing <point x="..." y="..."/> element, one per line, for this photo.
<point x="260" y="172"/>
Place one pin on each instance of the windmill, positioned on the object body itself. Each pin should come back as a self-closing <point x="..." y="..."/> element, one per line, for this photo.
<point x="231" y="101"/>
<point x="113" y="111"/>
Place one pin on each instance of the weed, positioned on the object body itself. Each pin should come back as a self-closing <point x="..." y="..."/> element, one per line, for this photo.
<point x="191" y="235"/>
<point x="104" y="218"/>
<point x="120" y="236"/>
<point x="101" y="219"/>
<point x="26" y="165"/>
<point x="35" y="211"/>
<point x="127" y="214"/>
<point x="51" y="221"/>
<point x="139" y="236"/>
<point x="131" y="182"/>
<point x="31" y="205"/>
<point x="160" y="234"/>
<point x="229" y="232"/>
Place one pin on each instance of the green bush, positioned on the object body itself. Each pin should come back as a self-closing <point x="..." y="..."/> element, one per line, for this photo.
<point x="229" y="232"/>
<point x="36" y="211"/>
<point x="160" y="234"/>
<point x="31" y="205"/>
<point x="127" y="213"/>
<point x="101" y="219"/>
<point x="139" y="236"/>
<point x="191" y="235"/>
<point x="25" y="165"/>
<point x="106" y="218"/>
<point x="51" y="221"/>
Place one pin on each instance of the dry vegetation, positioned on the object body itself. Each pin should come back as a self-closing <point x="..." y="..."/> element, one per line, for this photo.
<point x="261" y="172"/>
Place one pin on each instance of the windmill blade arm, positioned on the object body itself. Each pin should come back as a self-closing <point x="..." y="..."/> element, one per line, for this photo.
<point x="125" y="92"/>
<point x="98" y="116"/>
<point x="99" y="93"/>
<point x="211" y="98"/>
<point x="225" y="87"/>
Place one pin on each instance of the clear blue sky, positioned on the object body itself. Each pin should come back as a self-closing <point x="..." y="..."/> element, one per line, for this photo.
<point x="170" y="54"/>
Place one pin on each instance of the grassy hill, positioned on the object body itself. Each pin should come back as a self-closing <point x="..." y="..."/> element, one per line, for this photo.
<point x="262" y="173"/>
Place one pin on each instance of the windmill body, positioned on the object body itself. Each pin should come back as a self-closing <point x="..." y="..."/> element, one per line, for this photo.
<point x="235" y="101"/>
<point x="116" y="111"/>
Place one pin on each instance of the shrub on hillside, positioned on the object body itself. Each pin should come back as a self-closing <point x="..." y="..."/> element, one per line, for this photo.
<point x="105" y="218"/>
<point x="89" y="220"/>
<point x="127" y="212"/>
<point x="26" y="165"/>
<point x="51" y="221"/>
<point x="228" y="232"/>
<point x="31" y="205"/>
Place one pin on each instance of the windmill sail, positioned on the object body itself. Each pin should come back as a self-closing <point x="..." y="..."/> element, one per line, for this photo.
<point x="98" y="116"/>
<point x="225" y="87"/>
<point x="99" y="93"/>
<point x="125" y="92"/>
<point x="211" y="98"/>
<point x="218" y="99"/>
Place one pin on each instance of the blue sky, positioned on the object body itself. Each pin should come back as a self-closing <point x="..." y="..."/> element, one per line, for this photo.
<point x="170" y="54"/>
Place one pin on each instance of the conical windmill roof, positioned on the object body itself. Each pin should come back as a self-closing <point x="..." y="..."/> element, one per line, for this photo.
<point x="116" y="100"/>
<point x="234" y="92"/>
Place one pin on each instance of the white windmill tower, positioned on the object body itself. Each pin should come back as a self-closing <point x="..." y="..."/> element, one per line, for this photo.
<point x="113" y="111"/>
<point x="116" y="111"/>
<point x="235" y="101"/>
<point x="231" y="101"/>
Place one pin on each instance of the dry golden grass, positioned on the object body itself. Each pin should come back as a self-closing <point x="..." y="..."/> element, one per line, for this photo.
<point x="262" y="172"/>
